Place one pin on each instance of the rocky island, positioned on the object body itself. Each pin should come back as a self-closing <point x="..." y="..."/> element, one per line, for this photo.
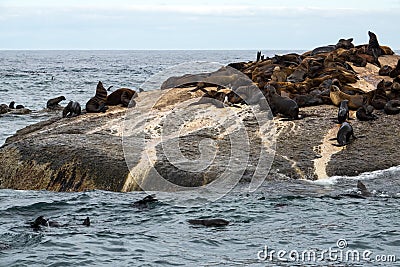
<point x="124" y="149"/>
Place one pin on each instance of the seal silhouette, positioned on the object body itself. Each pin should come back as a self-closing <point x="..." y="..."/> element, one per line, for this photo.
<point x="209" y="222"/>
<point x="98" y="102"/>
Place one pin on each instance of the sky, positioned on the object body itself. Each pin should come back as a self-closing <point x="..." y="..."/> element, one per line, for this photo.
<point x="200" y="24"/>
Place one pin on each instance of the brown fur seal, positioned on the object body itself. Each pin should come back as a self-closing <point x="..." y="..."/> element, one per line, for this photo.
<point x="282" y="105"/>
<point x="365" y="113"/>
<point x="337" y="96"/>
<point x="344" y="134"/>
<point x="396" y="71"/>
<point x="4" y="108"/>
<point x="98" y="102"/>
<point x="121" y="96"/>
<point x="374" y="48"/>
<point x="11" y="106"/>
<point x="72" y="109"/>
<point x="345" y="43"/>
<point x="385" y="70"/>
<point x="392" y="107"/>
<point x="343" y="113"/>
<point x="54" y="102"/>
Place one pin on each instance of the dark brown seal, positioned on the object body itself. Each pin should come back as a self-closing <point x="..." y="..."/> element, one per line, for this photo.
<point x="54" y="102"/>
<point x="365" y="113"/>
<point x="98" y="102"/>
<point x="72" y="109"/>
<point x="392" y="107"/>
<point x="209" y="222"/>
<point x="282" y="105"/>
<point x="121" y="96"/>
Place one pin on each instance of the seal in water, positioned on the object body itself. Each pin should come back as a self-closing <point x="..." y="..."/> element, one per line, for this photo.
<point x="72" y="109"/>
<point x="86" y="222"/>
<point x="11" y="106"/>
<point x="54" y="102"/>
<point x="344" y="134"/>
<point x="145" y="202"/>
<point x="282" y="105"/>
<point x="392" y="107"/>
<point x="121" y="96"/>
<point x="343" y="113"/>
<point x="41" y="221"/>
<point x="209" y="222"/>
<point x="98" y="102"/>
<point x="363" y="189"/>
<point x="364" y="113"/>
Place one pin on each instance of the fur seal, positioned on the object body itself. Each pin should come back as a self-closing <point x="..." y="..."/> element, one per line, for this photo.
<point x="392" y="107"/>
<point x="121" y="96"/>
<point x="282" y="105"/>
<point x="345" y="43"/>
<point x="364" y="113"/>
<point x="343" y="113"/>
<point x="4" y="108"/>
<point x="363" y="189"/>
<point x="86" y="222"/>
<point x="323" y="49"/>
<point x="209" y="222"/>
<point x="374" y="48"/>
<point x="396" y="71"/>
<point x="54" y="102"/>
<point x="41" y="221"/>
<point x="98" y="102"/>
<point x="385" y="70"/>
<point x="11" y="106"/>
<point x="72" y="109"/>
<point x="337" y="96"/>
<point x="145" y="202"/>
<point x="344" y="134"/>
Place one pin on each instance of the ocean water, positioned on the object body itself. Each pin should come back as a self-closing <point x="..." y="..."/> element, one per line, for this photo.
<point x="300" y="217"/>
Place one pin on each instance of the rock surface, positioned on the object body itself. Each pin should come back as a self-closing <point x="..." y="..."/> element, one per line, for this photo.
<point x="167" y="134"/>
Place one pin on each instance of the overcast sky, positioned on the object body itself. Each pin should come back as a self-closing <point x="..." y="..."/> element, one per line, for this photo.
<point x="200" y="24"/>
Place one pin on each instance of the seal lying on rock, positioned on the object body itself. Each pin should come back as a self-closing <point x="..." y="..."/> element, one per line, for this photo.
<point x="4" y="108"/>
<point x="17" y="110"/>
<point x="54" y="102"/>
<point x="121" y="96"/>
<point x="385" y="71"/>
<point x="98" y="102"/>
<point x="72" y="109"/>
<point x="364" y="113"/>
<point x="392" y="107"/>
<point x="337" y="96"/>
<point x="209" y="222"/>
<point x="396" y="71"/>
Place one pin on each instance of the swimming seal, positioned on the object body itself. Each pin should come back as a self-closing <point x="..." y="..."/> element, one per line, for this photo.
<point x="12" y="103"/>
<point x="72" y="109"/>
<point x="282" y="105"/>
<point x="86" y="222"/>
<point x="54" y="102"/>
<point x="364" y="113"/>
<point x="344" y="134"/>
<point x="343" y="113"/>
<point x="41" y="221"/>
<point x="209" y="222"/>
<point x="98" y="102"/>
<point x="145" y="202"/>
<point x="392" y="107"/>
<point x="121" y="96"/>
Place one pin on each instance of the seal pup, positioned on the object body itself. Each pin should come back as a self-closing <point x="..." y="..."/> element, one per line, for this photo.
<point x="209" y="222"/>
<point x="72" y="109"/>
<point x="343" y="113"/>
<point x="98" y="102"/>
<point x="392" y="107"/>
<point x="385" y="71"/>
<point x="344" y="134"/>
<point x="364" y="113"/>
<point x="54" y="102"/>
<point x="121" y="96"/>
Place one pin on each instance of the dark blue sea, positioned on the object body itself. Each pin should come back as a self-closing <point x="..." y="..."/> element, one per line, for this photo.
<point x="283" y="223"/>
